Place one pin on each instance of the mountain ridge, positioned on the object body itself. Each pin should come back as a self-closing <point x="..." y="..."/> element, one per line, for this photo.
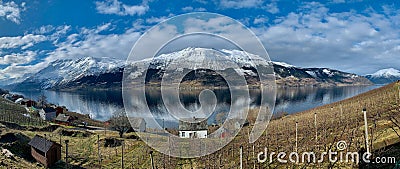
<point x="85" y="72"/>
<point x="384" y="76"/>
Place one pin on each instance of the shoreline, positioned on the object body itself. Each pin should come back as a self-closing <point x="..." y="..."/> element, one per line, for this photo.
<point x="196" y="89"/>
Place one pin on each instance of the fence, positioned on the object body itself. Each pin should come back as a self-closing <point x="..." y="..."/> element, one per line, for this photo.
<point x="9" y="112"/>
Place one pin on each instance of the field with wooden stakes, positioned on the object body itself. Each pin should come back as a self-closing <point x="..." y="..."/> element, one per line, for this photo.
<point x="317" y="130"/>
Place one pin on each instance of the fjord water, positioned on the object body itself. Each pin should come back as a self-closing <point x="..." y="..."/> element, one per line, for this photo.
<point x="101" y="104"/>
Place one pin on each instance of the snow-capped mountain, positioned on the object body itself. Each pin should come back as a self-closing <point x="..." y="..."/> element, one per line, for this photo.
<point x="289" y="75"/>
<point x="286" y="74"/>
<point x="63" y="72"/>
<point x="384" y="76"/>
<point x="198" y="58"/>
<point x="106" y="73"/>
<point x="11" y="81"/>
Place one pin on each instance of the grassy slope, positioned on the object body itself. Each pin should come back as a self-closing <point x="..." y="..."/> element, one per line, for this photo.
<point x="333" y="125"/>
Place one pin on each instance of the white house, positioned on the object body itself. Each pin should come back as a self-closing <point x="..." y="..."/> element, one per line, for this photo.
<point x="19" y="100"/>
<point x="193" y="128"/>
<point x="138" y="124"/>
<point x="47" y="113"/>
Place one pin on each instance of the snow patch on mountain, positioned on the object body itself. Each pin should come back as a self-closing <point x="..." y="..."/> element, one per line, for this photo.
<point x="386" y="73"/>
<point x="195" y="58"/>
<point x="312" y="73"/>
<point x="328" y="72"/>
<point x="64" y="71"/>
<point x="283" y="64"/>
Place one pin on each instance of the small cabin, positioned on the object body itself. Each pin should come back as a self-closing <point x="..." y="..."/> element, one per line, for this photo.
<point x="45" y="151"/>
<point x="29" y="103"/>
<point x="25" y="102"/>
<point x="193" y="128"/>
<point x="59" y="110"/>
<point x="63" y="119"/>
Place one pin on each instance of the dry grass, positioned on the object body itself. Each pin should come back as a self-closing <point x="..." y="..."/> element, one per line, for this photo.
<point x="337" y="121"/>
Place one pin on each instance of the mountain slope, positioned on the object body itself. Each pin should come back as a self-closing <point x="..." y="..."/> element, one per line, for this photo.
<point x="101" y="73"/>
<point x="287" y="75"/>
<point x="69" y="72"/>
<point x="294" y="76"/>
<point x="384" y="76"/>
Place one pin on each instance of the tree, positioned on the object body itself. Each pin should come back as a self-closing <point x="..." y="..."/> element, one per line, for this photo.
<point x="219" y="118"/>
<point x="119" y="122"/>
<point x="42" y="100"/>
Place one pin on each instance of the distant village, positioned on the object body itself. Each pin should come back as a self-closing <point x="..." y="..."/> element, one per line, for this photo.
<point x="188" y="128"/>
<point x="46" y="111"/>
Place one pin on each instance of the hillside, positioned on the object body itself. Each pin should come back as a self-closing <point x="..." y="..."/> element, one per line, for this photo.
<point x="338" y="121"/>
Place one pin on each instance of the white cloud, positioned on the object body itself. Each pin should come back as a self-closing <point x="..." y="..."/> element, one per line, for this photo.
<point x="24" y="42"/>
<point x="237" y="4"/>
<point x="346" y="41"/>
<point x="272" y="8"/>
<point x="16" y="71"/>
<point x="157" y="37"/>
<point x="156" y="19"/>
<point x="226" y="28"/>
<point x="260" y="20"/>
<point x="187" y="9"/>
<point x="201" y="1"/>
<point x="59" y="32"/>
<point x="44" y="29"/>
<point x="53" y="33"/>
<point x="98" y="29"/>
<point x="11" y="11"/>
<point x="90" y="43"/>
<point x="191" y="9"/>
<point x="18" y="58"/>
<point x="118" y="8"/>
<point x="338" y="1"/>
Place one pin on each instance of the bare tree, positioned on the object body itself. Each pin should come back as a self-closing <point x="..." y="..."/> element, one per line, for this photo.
<point x="119" y="122"/>
<point x="42" y="100"/>
<point x="219" y="118"/>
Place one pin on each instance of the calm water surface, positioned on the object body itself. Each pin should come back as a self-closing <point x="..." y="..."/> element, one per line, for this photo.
<point x="100" y="104"/>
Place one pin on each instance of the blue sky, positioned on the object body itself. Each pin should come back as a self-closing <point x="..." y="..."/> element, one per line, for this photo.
<point x="350" y="35"/>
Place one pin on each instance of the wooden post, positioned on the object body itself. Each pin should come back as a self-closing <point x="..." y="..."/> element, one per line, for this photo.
<point x="241" y="157"/>
<point x="316" y="128"/>
<point x="122" y="158"/>
<point x="366" y="129"/>
<point x="398" y="88"/>
<point x="169" y="151"/>
<point x="296" y="135"/>
<point x="45" y="137"/>
<point x="98" y="149"/>
<point x="66" y="153"/>
<point x="341" y="112"/>
<point x="254" y="159"/>
<point x="151" y="159"/>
